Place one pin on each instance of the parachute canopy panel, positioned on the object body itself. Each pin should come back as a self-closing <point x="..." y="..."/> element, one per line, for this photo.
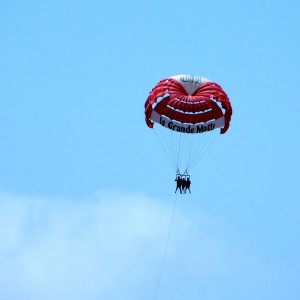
<point x="188" y="104"/>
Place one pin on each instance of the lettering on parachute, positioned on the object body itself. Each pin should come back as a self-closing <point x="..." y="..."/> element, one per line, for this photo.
<point x="189" y="78"/>
<point x="187" y="129"/>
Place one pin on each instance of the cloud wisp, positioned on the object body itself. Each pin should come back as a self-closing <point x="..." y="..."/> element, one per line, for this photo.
<point x="111" y="245"/>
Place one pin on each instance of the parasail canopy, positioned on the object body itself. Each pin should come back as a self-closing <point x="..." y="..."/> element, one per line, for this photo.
<point x="187" y="105"/>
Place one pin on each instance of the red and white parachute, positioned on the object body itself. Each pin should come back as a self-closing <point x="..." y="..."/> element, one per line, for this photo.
<point x="185" y="106"/>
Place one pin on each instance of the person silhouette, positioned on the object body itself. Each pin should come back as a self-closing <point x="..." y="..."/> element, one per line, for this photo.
<point x="188" y="184"/>
<point x="178" y="184"/>
<point x="183" y="185"/>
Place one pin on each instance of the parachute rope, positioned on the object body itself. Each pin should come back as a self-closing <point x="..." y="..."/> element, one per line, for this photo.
<point x="166" y="247"/>
<point x="184" y="151"/>
<point x="165" y="147"/>
<point x="179" y="152"/>
<point x="210" y="141"/>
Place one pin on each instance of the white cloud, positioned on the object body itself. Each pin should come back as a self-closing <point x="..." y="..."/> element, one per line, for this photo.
<point x="111" y="245"/>
<point x="64" y="249"/>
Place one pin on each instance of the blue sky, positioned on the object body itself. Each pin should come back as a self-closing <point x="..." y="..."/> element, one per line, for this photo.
<point x="86" y="192"/>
